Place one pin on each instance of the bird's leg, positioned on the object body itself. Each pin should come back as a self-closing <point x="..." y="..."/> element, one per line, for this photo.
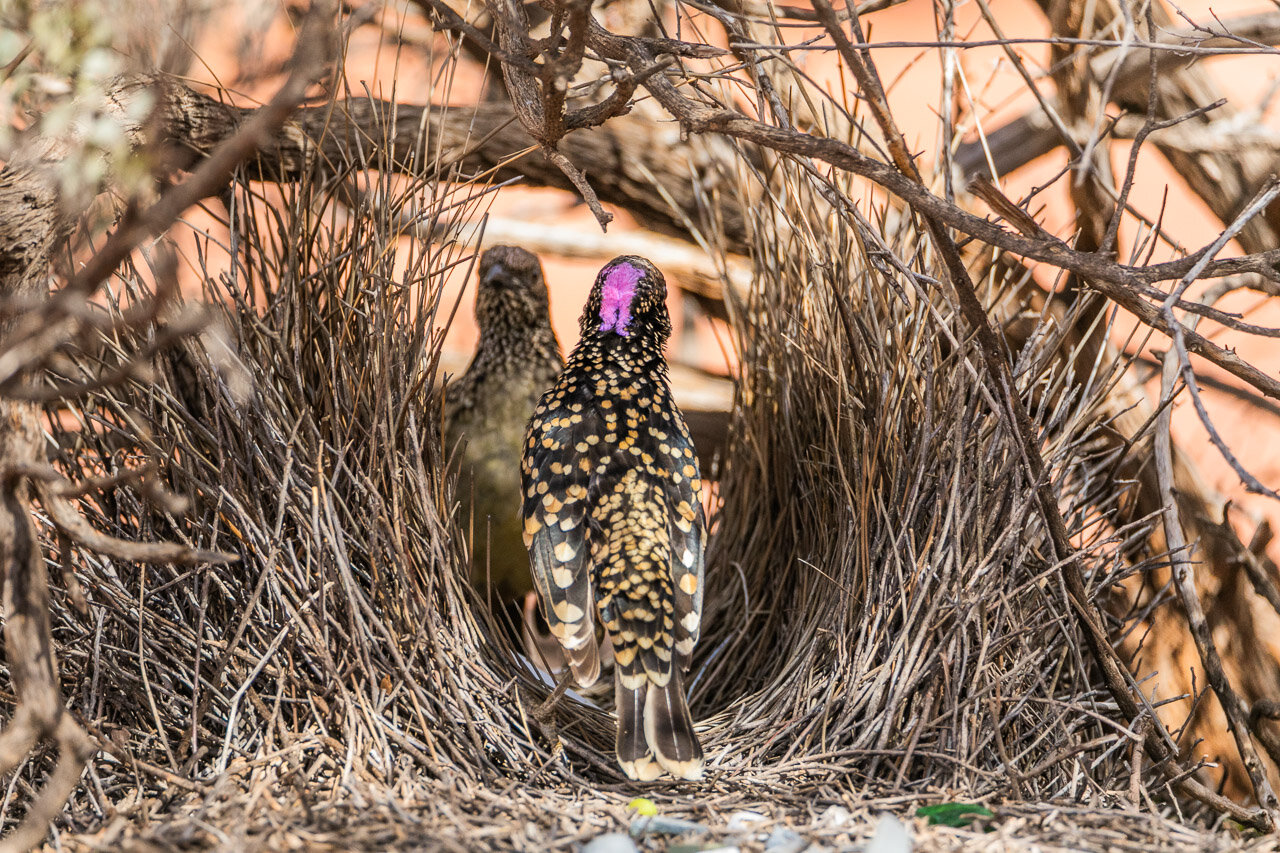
<point x="542" y="713"/>
<point x="545" y="719"/>
<point x="541" y="648"/>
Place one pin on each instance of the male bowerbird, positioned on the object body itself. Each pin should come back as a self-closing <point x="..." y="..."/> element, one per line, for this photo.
<point x="613" y="518"/>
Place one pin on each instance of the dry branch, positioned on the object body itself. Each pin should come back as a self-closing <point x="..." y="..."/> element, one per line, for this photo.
<point x="634" y="162"/>
<point x="641" y="175"/>
<point x="1223" y="177"/>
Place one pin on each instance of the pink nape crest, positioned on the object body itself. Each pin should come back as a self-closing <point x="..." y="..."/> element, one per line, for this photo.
<point x="616" y="296"/>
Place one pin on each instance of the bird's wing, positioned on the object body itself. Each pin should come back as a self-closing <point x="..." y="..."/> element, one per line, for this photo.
<point x="557" y="468"/>
<point x="686" y="526"/>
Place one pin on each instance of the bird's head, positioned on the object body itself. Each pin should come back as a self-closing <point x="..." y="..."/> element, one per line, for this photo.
<point x="629" y="300"/>
<point x="512" y="291"/>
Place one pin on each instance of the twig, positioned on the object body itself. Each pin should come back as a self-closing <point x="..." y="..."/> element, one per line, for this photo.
<point x="74" y="526"/>
<point x="1184" y="580"/>
<point x="1136" y="753"/>
<point x="1260" y="202"/>
<point x="1265" y="196"/>
<point x="538" y="93"/>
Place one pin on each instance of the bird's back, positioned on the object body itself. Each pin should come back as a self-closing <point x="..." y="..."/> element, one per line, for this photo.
<point x="612" y="497"/>
<point x="613" y="520"/>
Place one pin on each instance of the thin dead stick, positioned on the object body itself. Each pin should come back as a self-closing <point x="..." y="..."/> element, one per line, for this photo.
<point x="1184" y="580"/>
<point x="73" y="525"/>
<point x="1265" y="196"/>
<point x="1110" y="239"/>
<point x="1136" y="753"/>
<point x="1258" y="576"/>
<point x="1259" y="204"/>
<point x="1046" y="108"/>
<point x="542" y="713"/>
<point x="1178" y="363"/>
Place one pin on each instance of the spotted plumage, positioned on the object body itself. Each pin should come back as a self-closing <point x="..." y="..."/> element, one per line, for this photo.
<point x="613" y="518"/>
<point x="517" y="358"/>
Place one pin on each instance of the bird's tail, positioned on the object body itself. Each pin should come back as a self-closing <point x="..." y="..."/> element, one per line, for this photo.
<point x="655" y="728"/>
<point x="584" y="660"/>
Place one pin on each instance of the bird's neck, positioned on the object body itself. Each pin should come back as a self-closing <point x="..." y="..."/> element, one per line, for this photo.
<point x="638" y="352"/>
<point x="516" y="345"/>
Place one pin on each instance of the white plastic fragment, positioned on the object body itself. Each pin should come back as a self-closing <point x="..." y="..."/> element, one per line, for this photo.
<point x="612" y="842"/>
<point x="891" y="836"/>
<point x="834" y="816"/>
<point x="784" y="840"/>
<point x="742" y="821"/>
<point x="661" y="825"/>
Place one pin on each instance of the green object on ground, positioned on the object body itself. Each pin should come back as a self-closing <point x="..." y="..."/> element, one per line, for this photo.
<point x="954" y="814"/>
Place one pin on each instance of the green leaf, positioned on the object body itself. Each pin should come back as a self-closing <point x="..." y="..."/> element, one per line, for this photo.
<point x="954" y="814"/>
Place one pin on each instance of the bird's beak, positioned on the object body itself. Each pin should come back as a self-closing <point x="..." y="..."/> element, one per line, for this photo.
<point x="496" y="272"/>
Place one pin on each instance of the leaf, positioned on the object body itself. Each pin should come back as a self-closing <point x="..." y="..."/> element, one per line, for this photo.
<point x="954" y="814"/>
